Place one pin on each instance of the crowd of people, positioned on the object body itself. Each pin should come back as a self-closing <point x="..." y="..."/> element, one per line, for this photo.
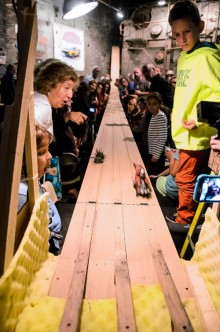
<point x="68" y="112"/>
<point x="69" y="109"/>
<point x="147" y="99"/>
<point x="177" y="94"/>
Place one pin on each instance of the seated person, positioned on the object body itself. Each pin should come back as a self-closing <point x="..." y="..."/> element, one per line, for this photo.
<point x="43" y="139"/>
<point x="166" y="183"/>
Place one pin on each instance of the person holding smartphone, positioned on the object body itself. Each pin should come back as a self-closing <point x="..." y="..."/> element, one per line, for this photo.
<point x="191" y="137"/>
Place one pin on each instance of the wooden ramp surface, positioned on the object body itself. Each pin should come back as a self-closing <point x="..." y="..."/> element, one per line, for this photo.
<point x="116" y="239"/>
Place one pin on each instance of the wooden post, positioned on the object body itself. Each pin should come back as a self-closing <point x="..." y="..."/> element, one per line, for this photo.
<point x="13" y="137"/>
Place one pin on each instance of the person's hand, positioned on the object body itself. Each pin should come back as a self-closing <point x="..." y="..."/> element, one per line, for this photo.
<point x="215" y="143"/>
<point x="170" y="154"/>
<point x="153" y="176"/>
<point x="137" y="92"/>
<point x="77" y="117"/>
<point x="189" y="124"/>
<point x="154" y="160"/>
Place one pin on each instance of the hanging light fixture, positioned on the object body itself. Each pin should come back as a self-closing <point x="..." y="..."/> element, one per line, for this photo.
<point x="76" y="8"/>
<point x="161" y="3"/>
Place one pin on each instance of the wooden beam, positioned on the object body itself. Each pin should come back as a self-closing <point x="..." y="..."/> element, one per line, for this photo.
<point x="71" y="315"/>
<point x="126" y="318"/>
<point x="12" y="144"/>
<point x="31" y="157"/>
<point x="205" y="306"/>
<point x="175" y="306"/>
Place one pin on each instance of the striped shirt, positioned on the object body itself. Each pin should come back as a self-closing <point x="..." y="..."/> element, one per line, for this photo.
<point x="157" y="134"/>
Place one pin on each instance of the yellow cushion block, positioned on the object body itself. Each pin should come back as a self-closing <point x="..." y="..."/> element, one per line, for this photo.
<point x="42" y="315"/>
<point x="32" y="252"/>
<point x="100" y="315"/>
<point x="207" y="256"/>
<point x="151" y="313"/>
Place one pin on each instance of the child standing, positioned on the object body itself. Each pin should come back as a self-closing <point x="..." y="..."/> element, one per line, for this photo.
<point x="157" y="134"/>
<point x="198" y="77"/>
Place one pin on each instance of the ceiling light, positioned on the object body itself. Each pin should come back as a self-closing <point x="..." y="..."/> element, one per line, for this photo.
<point x="120" y="14"/>
<point x="73" y="9"/>
<point x="161" y="2"/>
<point x="76" y="8"/>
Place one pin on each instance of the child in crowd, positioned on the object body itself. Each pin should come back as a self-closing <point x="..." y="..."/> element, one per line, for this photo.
<point x="44" y="138"/>
<point x="166" y="180"/>
<point x="157" y="134"/>
<point x="198" y="77"/>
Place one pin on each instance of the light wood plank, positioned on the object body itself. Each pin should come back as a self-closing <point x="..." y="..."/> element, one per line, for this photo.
<point x="158" y="232"/>
<point x="63" y="274"/>
<point x="72" y="308"/>
<point x="12" y="144"/>
<point x="179" y="316"/>
<point x="204" y="303"/>
<point x="126" y="320"/>
<point x="100" y="277"/>
<point x="31" y="156"/>
<point x="140" y="261"/>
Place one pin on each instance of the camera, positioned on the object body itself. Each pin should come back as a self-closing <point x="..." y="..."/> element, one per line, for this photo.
<point x="209" y="112"/>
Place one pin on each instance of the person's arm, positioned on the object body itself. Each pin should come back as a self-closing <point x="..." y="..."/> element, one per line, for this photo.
<point x="174" y="162"/>
<point x="164" y="173"/>
<point x="77" y="117"/>
<point x="175" y="167"/>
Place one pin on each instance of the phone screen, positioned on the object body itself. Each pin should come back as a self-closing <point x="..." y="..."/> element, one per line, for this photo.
<point x="92" y="109"/>
<point x="207" y="188"/>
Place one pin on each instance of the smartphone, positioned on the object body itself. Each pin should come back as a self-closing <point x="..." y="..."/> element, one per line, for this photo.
<point x="92" y="109"/>
<point x="207" y="188"/>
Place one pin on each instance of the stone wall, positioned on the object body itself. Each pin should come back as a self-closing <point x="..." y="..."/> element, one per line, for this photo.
<point x="102" y="31"/>
<point x="153" y="43"/>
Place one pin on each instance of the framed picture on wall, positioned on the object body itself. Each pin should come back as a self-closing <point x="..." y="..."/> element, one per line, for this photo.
<point x="69" y="46"/>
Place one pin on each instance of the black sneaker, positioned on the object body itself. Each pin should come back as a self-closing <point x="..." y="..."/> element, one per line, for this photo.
<point x="171" y="217"/>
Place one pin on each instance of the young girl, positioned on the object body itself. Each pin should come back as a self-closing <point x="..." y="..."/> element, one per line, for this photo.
<point x="43" y="139"/>
<point x="157" y="134"/>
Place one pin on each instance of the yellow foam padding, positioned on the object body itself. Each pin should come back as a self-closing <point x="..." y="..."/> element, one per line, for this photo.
<point x="32" y="252"/>
<point x="207" y="256"/>
<point x="42" y="315"/>
<point x="151" y="313"/>
<point x="100" y="315"/>
<point x="41" y="283"/>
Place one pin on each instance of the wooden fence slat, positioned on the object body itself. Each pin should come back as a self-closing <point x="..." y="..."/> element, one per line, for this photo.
<point x="12" y="144"/>
<point x="175" y="306"/>
<point x="126" y="320"/>
<point x="70" y="318"/>
<point x="207" y="311"/>
<point x="31" y="157"/>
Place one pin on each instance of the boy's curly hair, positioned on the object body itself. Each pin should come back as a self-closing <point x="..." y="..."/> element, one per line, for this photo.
<point x="184" y="9"/>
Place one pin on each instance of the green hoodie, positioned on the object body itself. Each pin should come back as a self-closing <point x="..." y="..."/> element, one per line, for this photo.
<point x="198" y="79"/>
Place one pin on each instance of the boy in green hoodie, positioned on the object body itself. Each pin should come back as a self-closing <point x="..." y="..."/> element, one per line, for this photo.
<point x="198" y="78"/>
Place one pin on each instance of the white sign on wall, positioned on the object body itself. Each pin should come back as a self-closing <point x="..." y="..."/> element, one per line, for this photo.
<point x="69" y="46"/>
